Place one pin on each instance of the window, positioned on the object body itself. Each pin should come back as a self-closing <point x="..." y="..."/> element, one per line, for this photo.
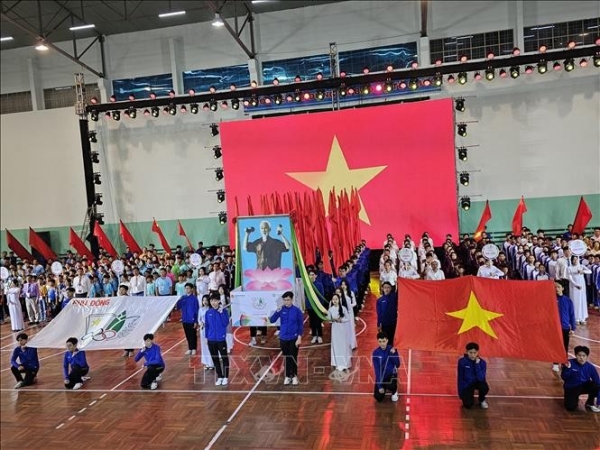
<point x="221" y="78"/>
<point x="63" y="97"/>
<point x="473" y="46"/>
<point x="285" y="70"/>
<point x="558" y="35"/>
<point x="142" y="86"/>
<point x="15" y="102"/>
<point x="377" y="59"/>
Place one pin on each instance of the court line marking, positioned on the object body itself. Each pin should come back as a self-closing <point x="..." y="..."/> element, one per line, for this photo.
<point x="41" y="359"/>
<point x="586" y="339"/>
<point x="222" y="429"/>
<point x="408" y="389"/>
<point x="12" y="333"/>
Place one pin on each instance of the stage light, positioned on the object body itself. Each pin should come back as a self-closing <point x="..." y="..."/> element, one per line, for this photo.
<point x="342" y="74"/>
<point x="275" y="82"/>
<point x="116" y="115"/>
<point x="583" y="62"/>
<point x="224" y="104"/>
<point x="516" y="51"/>
<point x="459" y="104"/>
<point x="515" y="71"/>
<point x="402" y="84"/>
<point x="206" y="107"/>
<point x="267" y="100"/>
<point x="365" y="70"/>
<point x="462" y="153"/>
<point x="289" y="98"/>
<point x="146" y="112"/>
<point x="556" y="66"/>
<point x="183" y="109"/>
<point x="297" y="97"/>
<point x="477" y="76"/>
<point x="306" y="96"/>
<point x="569" y="64"/>
<point x="213" y="106"/>
<point x="95" y="157"/>
<point x="490" y="55"/>
<point x="131" y="97"/>
<point x="152" y="95"/>
<point x="94" y="100"/>
<point x="438" y="62"/>
<point x="365" y="90"/>
<point x="414" y="65"/>
<point x="155" y="111"/>
<point x="351" y="91"/>
<point x="463" y="58"/>
<point x="132" y="113"/>
<point x="217" y="151"/>
<point x="278" y="99"/>
<point x="389" y="86"/>
<point x="98" y="199"/>
<point x="571" y="44"/>
<point x="426" y="82"/>
<point x="194" y="108"/>
<point x="462" y="78"/>
<point x="113" y="98"/>
<point x="465" y="203"/>
<point x="319" y="76"/>
<point x="99" y="217"/>
<point x="219" y="174"/>
<point x="171" y="93"/>
<point x="107" y="115"/>
<point x="596" y="60"/>
<point x="413" y="84"/>
<point x="232" y="87"/>
<point x="320" y="95"/>
<point x="490" y="73"/>
<point x="343" y="91"/>
<point x="254" y="101"/>
<point x="214" y="129"/>
<point x="464" y="178"/>
<point x="191" y="92"/>
<point x="94" y="116"/>
<point x="217" y="21"/>
<point x="166" y="110"/>
<point x="502" y="73"/>
<point x="451" y="79"/>
<point x="543" y="48"/>
<point x="246" y="102"/>
<point x="438" y="80"/>
<point x="97" y="176"/>
<point x="253" y="84"/>
<point x="172" y="110"/>
<point x="390" y="68"/>
<point x="542" y="67"/>
<point x="235" y="103"/>
<point x="297" y="79"/>
<point x="529" y="69"/>
<point x="92" y="137"/>
<point x="222" y="217"/>
<point x="220" y="196"/>
<point x="461" y="129"/>
<point x="126" y="113"/>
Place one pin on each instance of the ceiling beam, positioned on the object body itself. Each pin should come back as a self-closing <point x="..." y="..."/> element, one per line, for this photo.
<point x="250" y="52"/>
<point x="424" y="10"/>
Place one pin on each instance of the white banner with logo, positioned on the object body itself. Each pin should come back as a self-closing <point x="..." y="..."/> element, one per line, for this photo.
<point x="105" y="323"/>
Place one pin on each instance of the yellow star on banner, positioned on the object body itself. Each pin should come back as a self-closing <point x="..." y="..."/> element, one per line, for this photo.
<point x="339" y="176"/>
<point x="475" y="316"/>
<point x="96" y="322"/>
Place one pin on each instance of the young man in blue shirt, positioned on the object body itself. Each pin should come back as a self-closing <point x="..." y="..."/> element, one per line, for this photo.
<point x="290" y="335"/>
<point x="28" y="362"/>
<point x="189" y="307"/>
<point x="75" y="359"/>
<point x="385" y="364"/>
<point x="566" y="313"/>
<point x="580" y="377"/>
<point x="216" y="320"/>
<point x="471" y="377"/>
<point x="387" y="311"/>
<point x="155" y="365"/>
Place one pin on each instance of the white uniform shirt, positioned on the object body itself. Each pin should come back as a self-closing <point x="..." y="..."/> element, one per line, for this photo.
<point x="490" y="272"/>
<point x="81" y="284"/>
<point x="138" y="284"/>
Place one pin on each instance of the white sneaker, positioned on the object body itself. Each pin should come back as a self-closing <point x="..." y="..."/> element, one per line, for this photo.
<point x="295" y="381"/>
<point x="20" y="384"/>
<point x="555" y="368"/>
<point x="219" y="382"/>
<point x="158" y="378"/>
<point x="125" y="354"/>
<point x="276" y="332"/>
<point x="287" y="381"/>
<point x="193" y="352"/>
<point x="154" y="386"/>
<point x="313" y="340"/>
<point x="252" y="342"/>
<point x="593" y="408"/>
<point x="320" y="340"/>
<point x="77" y="386"/>
<point x="187" y="353"/>
<point x="395" y="397"/>
<point x="225" y="382"/>
<point x="484" y="405"/>
<point x="86" y="378"/>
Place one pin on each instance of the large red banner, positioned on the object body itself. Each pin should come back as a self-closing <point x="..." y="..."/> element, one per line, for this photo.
<point x="399" y="157"/>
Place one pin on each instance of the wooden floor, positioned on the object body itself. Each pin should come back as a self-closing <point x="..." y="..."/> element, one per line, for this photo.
<point x="256" y="411"/>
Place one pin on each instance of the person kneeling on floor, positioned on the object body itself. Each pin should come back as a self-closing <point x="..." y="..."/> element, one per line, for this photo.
<point x="155" y="365"/>
<point x="75" y="359"/>
<point x="580" y="377"/>
<point x="385" y="363"/>
<point x="471" y="377"/>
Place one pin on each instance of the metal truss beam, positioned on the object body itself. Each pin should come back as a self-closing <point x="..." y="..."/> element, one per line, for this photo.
<point x="235" y="33"/>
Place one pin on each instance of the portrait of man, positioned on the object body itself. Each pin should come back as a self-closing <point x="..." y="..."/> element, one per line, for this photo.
<point x="268" y="249"/>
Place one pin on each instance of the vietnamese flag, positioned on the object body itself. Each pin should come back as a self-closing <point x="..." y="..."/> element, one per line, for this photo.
<point x="182" y="233"/>
<point x="163" y="240"/>
<point x="485" y="218"/>
<point x="129" y="239"/>
<point x="517" y="222"/>
<point x="79" y="246"/>
<point x="104" y="242"/>
<point x="35" y="241"/>
<point x="14" y="244"/>
<point x="350" y="149"/>
<point x="508" y="319"/>
<point x="582" y="217"/>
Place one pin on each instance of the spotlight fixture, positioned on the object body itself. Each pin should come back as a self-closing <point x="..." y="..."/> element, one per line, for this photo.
<point x="254" y="101"/>
<point x="183" y="109"/>
<point x="462" y="153"/>
<point x="464" y="178"/>
<point x="97" y="179"/>
<point x="365" y="90"/>
<point x="542" y="67"/>
<point x="556" y="66"/>
<point x="569" y="64"/>
<point x="131" y="97"/>
<point x="171" y="93"/>
<point x="297" y="79"/>
<point x="94" y="116"/>
<point x="320" y="95"/>
<point x="490" y="55"/>
<point x="516" y="51"/>
<point x="297" y="96"/>
<point x="490" y="73"/>
<point x="113" y="98"/>
<point x="214" y="129"/>
<point x="116" y="115"/>
<point x="194" y="108"/>
<point x="413" y="84"/>
<point x="222" y="217"/>
<point x="95" y="157"/>
<point x="217" y="21"/>
<point x="213" y="89"/>
<point x="529" y="69"/>
<point x="388" y="86"/>
<point x="502" y="73"/>
<point x="267" y="100"/>
<point x="465" y="203"/>
<point x="205" y="107"/>
<point x="220" y="195"/>
<point x="152" y="95"/>
<point x="278" y="99"/>
<point x="213" y="105"/>
<point x="583" y="62"/>
<point x="94" y="100"/>
<point x="438" y="80"/>
<point x="217" y="151"/>
<point x="477" y="76"/>
<point x="365" y="70"/>
<point x="146" y="112"/>
<point x="351" y="90"/>
<point x="219" y="174"/>
<point x="98" y="199"/>
<point x="275" y="81"/>
<point x="92" y="135"/>
<point x="596" y="60"/>
<point x="155" y="111"/>
<point x="426" y="82"/>
<point x="451" y="79"/>
<point x="515" y="71"/>
<point x="191" y="92"/>
<point x="459" y="104"/>
<point x="543" y="48"/>
<point x="172" y="110"/>
<point x="319" y="76"/>
<point x="132" y="113"/>
<point x="235" y="103"/>
<point x="99" y="217"/>
<point x="306" y="96"/>
<point x="224" y="104"/>
<point x="461" y="129"/>
<point x="343" y="91"/>
<point x="462" y="78"/>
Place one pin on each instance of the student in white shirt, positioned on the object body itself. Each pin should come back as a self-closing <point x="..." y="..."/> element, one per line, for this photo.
<point x="433" y="271"/>
<point x="81" y="283"/>
<point x="408" y="271"/>
<point x="388" y="274"/>
<point x="489" y="271"/>
<point x="138" y="283"/>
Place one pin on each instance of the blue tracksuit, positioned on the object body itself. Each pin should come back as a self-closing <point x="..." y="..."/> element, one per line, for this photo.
<point x="76" y="359"/>
<point x="28" y="358"/>
<point x="291" y="322"/>
<point x="215" y="324"/>
<point x="469" y="372"/>
<point x="152" y="356"/>
<point x="385" y="364"/>
<point x="577" y="374"/>
<point x="566" y="312"/>
<point x="387" y="310"/>
<point x="189" y="306"/>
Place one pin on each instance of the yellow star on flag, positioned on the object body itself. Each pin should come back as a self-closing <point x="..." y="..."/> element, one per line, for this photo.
<point x="96" y="321"/>
<point x="475" y="316"/>
<point x="339" y="176"/>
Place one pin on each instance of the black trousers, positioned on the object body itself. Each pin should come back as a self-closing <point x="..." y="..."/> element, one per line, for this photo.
<point x="566" y="337"/>
<point x="572" y="395"/>
<point x="254" y="331"/>
<point x="75" y="376"/>
<point x="290" y="355"/>
<point x="191" y="335"/>
<point x="315" y="324"/>
<point x="221" y="366"/>
<point x="389" y="384"/>
<point x="390" y="331"/>
<point x="30" y="375"/>
<point x="152" y="371"/>
<point x="468" y="394"/>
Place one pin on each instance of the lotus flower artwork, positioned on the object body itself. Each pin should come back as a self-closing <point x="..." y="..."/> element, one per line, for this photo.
<point x="268" y="279"/>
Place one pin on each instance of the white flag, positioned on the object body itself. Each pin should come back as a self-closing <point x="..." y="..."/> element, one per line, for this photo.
<point x="105" y="323"/>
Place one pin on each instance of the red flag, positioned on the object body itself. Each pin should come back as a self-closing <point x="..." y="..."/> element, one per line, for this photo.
<point x="163" y="241"/>
<point x="582" y="218"/>
<point x="16" y="247"/>
<point x="517" y="222"/>
<point x="237" y="207"/>
<point x="250" y="207"/>
<point x="35" y="241"/>
<point x="79" y="246"/>
<point x="506" y="318"/>
<point x="128" y="238"/>
<point x="181" y="232"/>
<point x="103" y="241"/>
<point x="485" y="217"/>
